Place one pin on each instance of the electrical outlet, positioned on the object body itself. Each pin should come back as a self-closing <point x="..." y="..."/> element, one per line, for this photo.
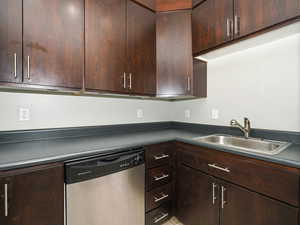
<point x="187" y="113"/>
<point x="215" y="114"/>
<point x="24" y="114"/>
<point x="139" y="113"/>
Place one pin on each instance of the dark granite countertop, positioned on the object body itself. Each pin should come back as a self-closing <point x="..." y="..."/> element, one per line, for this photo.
<point x="28" y="153"/>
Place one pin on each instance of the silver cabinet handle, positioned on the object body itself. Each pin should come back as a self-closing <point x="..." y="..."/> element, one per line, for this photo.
<point x="124" y="80"/>
<point x="219" y="168"/>
<point x="164" y="176"/>
<point x="130" y="81"/>
<point x="163" y="156"/>
<point x="15" y="65"/>
<point x="6" y="199"/>
<point x="214" y="193"/>
<point x="189" y="83"/>
<point x="222" y="196"/>
<point x="236" y="25"/>
<point x="160" y="218"/>
<point x="164" y="196"/>
<point x="228" y="27"/>
<point x="28" y="67"/>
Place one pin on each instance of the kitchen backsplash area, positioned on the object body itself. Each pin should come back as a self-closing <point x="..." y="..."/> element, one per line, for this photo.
<point x="262" y="83"/>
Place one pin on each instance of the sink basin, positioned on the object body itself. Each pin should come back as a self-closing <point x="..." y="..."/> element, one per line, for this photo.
<point x="247" y="144"/>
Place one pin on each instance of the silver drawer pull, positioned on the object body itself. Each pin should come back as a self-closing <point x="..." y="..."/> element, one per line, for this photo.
<point x="164" y="196"/>
<point x="161" y="177"/>
<point x="219" y="168"/>
<point x="6" y="199"/>
<point x="163" y="156"/>
<point x="160" y="218"/>
<point x="214" y="193"/>
<point x="222" y="197"/>
<point x="124" y="80"/>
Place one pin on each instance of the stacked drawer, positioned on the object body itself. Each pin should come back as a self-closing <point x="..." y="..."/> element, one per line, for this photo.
<point x="159" y="183"/>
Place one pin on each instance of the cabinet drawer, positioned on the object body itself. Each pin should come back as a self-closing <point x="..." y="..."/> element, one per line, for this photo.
<point x="158" y="176"/>
<point x="279" y="182"/>
<point x="159" y="215"/>
<point x="158" y="196"/>
<point x="158" y="155"/>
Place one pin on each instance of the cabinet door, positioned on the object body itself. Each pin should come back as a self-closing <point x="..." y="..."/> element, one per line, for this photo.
<point x="141" y="49"/>
<point x="105" y="45"/>
<point x="36" y="197"/>
<point x="174" y="53"/>
<point x="197" y="197"/>
<point x="248" y="208"/>
<point x="212" y="23"/>
<point x="254" y="15"/>
<point x="11" y="41"/>
<point x="54" y="42"/>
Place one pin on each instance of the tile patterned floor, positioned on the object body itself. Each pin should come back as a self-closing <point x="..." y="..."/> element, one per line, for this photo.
<point x="173" y="221"/>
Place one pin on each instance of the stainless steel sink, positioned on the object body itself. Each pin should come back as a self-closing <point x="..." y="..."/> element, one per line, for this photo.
<point x="247" y="144"/>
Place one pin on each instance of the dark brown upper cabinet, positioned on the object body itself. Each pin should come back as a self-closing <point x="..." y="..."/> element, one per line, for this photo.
<point x="120" y="52"/>
<point x="171" y="5"/>
<point x="212" y="23"/>
<point x="216" y="22"/>
<point x="32" y="196"/>
<point x="174" y="53"/>
<point x="11" y="41"/>
<point x="196" y="2"/>
<point x="53" y="43"/>
<point x="141" y="57"/>
<point x="105" y="48"/>
<point x="255" y="15"/>
<point x="151" y="4"/>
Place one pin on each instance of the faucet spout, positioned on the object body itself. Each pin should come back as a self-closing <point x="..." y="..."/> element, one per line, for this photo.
<point x="246" y="128"/>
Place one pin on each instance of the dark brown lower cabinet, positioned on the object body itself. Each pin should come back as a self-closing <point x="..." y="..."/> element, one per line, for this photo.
<point x="32" y="196"/>
<point x="196" y="204"/>
<point x="204" y="200"/>
<point x="249" y="208"/>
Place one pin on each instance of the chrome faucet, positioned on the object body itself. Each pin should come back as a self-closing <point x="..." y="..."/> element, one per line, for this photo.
<point x="246" y="128"/>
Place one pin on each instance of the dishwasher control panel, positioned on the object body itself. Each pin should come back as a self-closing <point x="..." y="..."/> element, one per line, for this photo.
<point x="90" y="168"/>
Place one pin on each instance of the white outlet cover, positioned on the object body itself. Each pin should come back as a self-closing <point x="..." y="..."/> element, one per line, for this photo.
<point x="139" y="113"/>
<point x="24" y="114"/>
<point x="187" y="113"/>
<point x="215" y="114"/>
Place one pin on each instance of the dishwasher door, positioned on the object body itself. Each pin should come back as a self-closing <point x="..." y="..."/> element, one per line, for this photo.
<point x="115" y="199"/>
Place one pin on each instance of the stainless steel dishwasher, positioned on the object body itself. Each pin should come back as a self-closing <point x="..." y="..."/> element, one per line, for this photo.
<point x="108" y="190"/>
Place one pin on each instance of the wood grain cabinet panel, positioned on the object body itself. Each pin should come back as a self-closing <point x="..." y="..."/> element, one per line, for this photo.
<point x="105" y="45"/>
<point x="11" y="41"/>
<point x="174" y="53"/>
<point x="197" y="197"/>
<point x="171" y="5"/>
<point x="278" y="182"/>
<point x="34" y="196"/>
<point x="53" y="42"/>
<point x="255" y="15"/>
<point x="248" y="208"/>
<point x="141" y="56"/>
<point x="212" y="24"/>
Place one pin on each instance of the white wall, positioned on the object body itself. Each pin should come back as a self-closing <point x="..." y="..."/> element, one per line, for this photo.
<point x="52" y="111"/>
<point x="262" y="83"/>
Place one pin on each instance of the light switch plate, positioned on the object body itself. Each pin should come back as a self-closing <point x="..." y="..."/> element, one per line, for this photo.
<point x="187" y="113"/>
<point x="139" y="113"/>
<point x="24" y="114"/>
<point x="215" y="114"/>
